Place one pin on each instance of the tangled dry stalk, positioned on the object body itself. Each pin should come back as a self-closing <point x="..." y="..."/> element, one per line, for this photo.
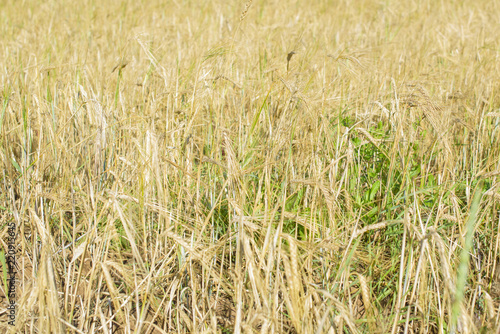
<point x="169" y="167"/>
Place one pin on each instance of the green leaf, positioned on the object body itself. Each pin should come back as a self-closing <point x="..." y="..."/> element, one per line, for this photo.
<point x="5" y="269"/>
<point x="16" y="166"/>
<point x="374" y="190"/>
<point x="463" y="266"/>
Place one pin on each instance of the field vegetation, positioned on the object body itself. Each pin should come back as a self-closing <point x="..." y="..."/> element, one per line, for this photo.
<point x="262" y="167"/>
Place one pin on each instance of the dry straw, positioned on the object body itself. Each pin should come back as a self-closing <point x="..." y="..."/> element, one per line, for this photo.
<point x="210" y="187"/>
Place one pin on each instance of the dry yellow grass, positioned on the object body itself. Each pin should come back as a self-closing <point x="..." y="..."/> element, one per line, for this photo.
<point x="261" y="166"/>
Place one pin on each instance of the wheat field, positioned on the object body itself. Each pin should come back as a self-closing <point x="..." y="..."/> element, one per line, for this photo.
<point x="250" y="167"/>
